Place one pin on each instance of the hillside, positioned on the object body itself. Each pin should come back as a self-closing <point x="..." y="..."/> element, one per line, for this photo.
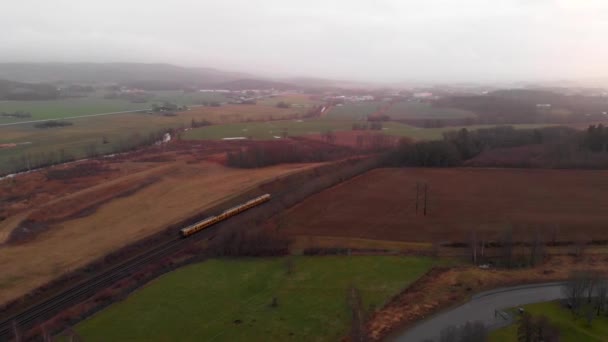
<point x="251" y="83"/>
<point x="124" y="73"/>
<point x="512" y="106"/>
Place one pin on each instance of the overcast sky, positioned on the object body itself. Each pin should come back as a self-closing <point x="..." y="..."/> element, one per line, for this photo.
<point x="376" y="40"/>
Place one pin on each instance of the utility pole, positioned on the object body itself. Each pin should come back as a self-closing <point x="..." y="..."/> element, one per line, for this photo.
<point x="417" y="191"/>
<point x="426" y="187"/>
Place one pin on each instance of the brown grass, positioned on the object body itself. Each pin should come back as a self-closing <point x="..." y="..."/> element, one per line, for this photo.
<point x="181" y="190"/>
<point x="240" y="113"/>
<point x="380" y="205"/>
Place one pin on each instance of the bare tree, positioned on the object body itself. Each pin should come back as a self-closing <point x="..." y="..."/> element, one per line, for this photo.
<point x="469" y="332"/>
<point x="574" y="290"/>
<point x="507" y="247"/>
<point x="473" y="246"/>
<point x="525" y="328"/>
<point x="483" y="246"/>
<point x="579" y="247"/>
<point x="601" y="294"/>
<point x="591" y="279"/>
<point x="435" y="248"/>
<point x="589" y="315"/>
<point x="449" y="334"/>
<point x="536" y="329"/>
<point x="537" y="249"/>
<point x="473" y="332"/>
<point x="545" y="331"/>
<point x="554" y="234"/>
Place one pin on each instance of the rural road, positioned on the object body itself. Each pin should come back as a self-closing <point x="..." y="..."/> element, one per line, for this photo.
<point x="481" y="307"/>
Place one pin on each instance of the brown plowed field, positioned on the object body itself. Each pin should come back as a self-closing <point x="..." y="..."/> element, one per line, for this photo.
<point x="563" y="204"/>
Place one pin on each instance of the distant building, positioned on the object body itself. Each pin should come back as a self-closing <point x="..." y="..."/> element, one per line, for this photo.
<point x="214" y="91"/>
<point x="423" y="95"/>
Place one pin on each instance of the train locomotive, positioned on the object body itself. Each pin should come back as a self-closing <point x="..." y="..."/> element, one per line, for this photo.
<point x="197" y="227"/>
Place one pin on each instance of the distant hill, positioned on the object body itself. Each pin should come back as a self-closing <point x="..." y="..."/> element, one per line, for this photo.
<point x="329" y="84"/>
<point x="156" y="76"/>
<point x="159" y="76"/>
<point x="511" y="106"/>
<point x="250" y="83"/>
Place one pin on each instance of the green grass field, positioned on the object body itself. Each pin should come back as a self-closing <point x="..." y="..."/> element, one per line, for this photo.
<point x="34" y="142"/>
<point x="570" y="330"/>
<point x="267" y="130"/>
<point x="96" y="104"/>
<point x="74" y="140"/>
<point x="294" y="100"/>
<point x="230" y="300"/>
<point x="416" y="110"/>
<point x="354" y="111"/>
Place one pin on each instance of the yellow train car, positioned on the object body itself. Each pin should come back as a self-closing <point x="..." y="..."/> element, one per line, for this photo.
<point x="197" y="227"/>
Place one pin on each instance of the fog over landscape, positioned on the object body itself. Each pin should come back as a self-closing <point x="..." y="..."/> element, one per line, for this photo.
<point x="304" y="170"/>
<point x="385" y="41"/>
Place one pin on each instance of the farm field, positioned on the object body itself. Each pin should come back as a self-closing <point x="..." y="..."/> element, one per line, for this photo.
<point x="354" y="110"/>
<point x="230" y="300"/>
<point x="381" y="204"/>
<point x="84" y="218"/>
<point x="243" y="113"/>
<point x="296" y="100"/>
<point x="96" y="104"/>
<point x="571" y="330"/>
<point x="117" y="129"/>
<point x="417" y="110"/>
<point x="268" y="130"/>
<point x="32" y="142"/>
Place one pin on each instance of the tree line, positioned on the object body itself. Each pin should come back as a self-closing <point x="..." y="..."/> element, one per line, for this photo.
<point x="536" y="329"/>
<point x="16" y="114"/>
<point x="596" y="138"/>
<point x="586" y="294"/>
<point x="30" y="161"/>
<point x="560" y="145"/>
<point x="10" y="90"/>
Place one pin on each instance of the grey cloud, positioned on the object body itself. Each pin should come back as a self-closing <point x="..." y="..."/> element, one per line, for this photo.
<point x="389" y="40"/>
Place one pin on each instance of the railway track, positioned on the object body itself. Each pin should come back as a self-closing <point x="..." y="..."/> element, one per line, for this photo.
<point x="48" y="308"/>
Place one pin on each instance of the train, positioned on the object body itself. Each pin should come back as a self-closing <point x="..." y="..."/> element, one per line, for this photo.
<point x="197" y="227"/>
